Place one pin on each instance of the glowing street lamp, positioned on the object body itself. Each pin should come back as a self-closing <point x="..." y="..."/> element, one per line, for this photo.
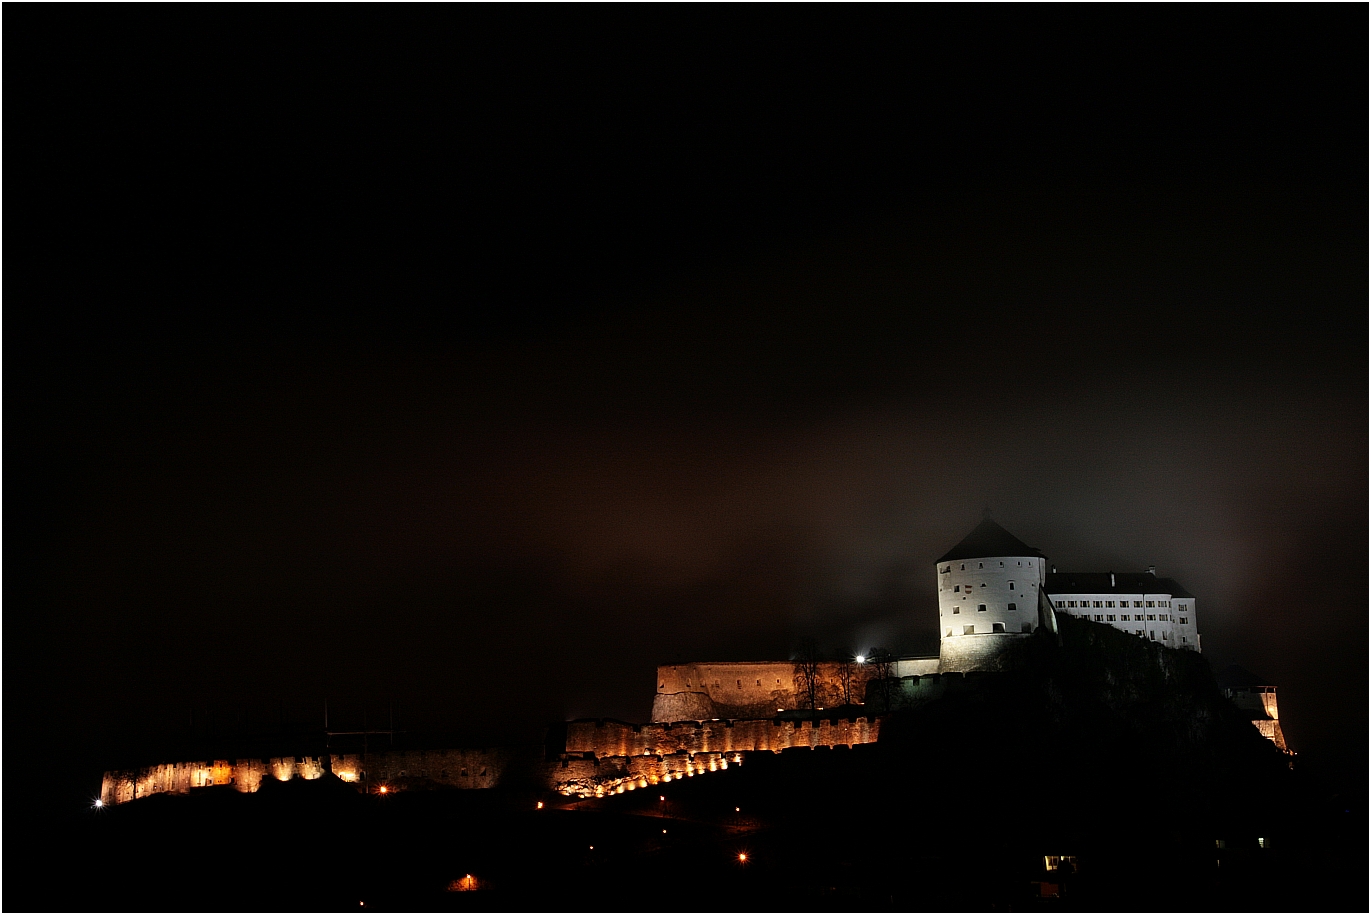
<point x="861" y="659"/>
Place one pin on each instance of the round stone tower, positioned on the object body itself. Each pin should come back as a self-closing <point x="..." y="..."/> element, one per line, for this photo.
<point x="989" y="589"/>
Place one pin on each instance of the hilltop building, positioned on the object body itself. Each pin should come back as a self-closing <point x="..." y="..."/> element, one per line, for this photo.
<point x="993" y="590"/>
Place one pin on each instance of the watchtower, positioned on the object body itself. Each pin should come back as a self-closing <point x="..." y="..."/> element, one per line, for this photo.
<point x="990" y="593"/>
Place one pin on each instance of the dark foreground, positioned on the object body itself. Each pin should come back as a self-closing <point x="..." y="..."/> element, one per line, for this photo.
<point x="1102" y="750"/>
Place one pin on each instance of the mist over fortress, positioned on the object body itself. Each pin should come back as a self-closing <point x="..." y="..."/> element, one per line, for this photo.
<point x="1052" y="696"/>
<point x="996" y="597"/>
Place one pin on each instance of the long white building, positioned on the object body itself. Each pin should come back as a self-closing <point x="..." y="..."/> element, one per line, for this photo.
<point x="1139" y="603"/>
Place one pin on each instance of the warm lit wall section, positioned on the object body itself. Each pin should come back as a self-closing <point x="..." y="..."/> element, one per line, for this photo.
<point x="760" y="689"/>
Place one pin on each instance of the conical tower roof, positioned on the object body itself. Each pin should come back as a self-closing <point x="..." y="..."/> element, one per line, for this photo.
<point x="989" y="539"/>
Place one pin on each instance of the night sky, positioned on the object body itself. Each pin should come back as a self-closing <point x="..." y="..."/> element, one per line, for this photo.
<point x="481" y="360"/>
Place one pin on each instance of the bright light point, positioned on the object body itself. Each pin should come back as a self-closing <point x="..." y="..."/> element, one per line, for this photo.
<point x="737" y="810"/>
<point x="540" y="805"/>
<point x="384" y="789"/>
<point x="861" y="659"/>
<point x="663" y="832"/>
<point x="661" y="797"/>
<point x="742" y="856"/>
<point x="99" y="803"/>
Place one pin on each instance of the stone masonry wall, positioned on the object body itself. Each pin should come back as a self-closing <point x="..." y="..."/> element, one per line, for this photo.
<point x="453" y="768"/>
<point x="758" y="689"/>
<point x="606" y="738"/>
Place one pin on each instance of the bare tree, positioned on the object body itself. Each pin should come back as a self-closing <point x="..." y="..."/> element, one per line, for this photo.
<point x="807" y="675"/>
<point x="882" y="664"/>
<point x="846" y="670"/>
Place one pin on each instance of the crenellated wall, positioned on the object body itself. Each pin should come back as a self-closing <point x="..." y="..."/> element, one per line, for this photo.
<point x="614" y="757"/>
<point x="616" y="738"/>
<point x="454" y="768"/>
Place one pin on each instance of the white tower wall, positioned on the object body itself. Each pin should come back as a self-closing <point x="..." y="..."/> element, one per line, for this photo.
<point x="985" y="604"/>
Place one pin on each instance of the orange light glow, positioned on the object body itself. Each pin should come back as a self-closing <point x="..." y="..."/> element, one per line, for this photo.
<point x="742" y="857"/>
<point x="540" y="805"/>
<point x="384" y="789"/>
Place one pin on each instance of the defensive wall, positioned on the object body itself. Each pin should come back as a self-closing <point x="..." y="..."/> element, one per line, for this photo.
<point x="760" y="689"/>
<point x="450" y="768"/>
<point x="601" y="757"/>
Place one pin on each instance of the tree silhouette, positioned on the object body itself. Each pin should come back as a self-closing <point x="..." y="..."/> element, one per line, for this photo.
<point x="807" y="661"/>
<point x="882" y="664"/>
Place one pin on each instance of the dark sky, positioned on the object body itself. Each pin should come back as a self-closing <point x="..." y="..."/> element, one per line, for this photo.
<point x="483" y="359"/>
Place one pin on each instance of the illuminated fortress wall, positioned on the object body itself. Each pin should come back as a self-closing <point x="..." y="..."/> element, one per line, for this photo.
<point x="758" y="689"/>
<point x="602" y="757"/>
<point x="616" y="738"/>
<point x="452" y="768"/>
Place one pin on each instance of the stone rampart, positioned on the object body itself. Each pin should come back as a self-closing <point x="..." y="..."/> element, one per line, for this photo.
<point x="760" y="689"/>
<point x="452" y="768"/>
<point x="606" y="738"/>
<point x="981" y="651"/>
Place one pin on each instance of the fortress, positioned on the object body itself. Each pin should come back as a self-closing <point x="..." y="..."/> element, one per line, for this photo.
<point x="993" y="592"/>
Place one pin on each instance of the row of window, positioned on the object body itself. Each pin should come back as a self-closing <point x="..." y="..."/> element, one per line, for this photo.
<point x="1062" y="604"/>
<point x="980" y="608"/>
<point x="1124" y="617"/>
<point x="956" y="589"/>
<point x="981" y="565"/>
<point x="994" y="627"/>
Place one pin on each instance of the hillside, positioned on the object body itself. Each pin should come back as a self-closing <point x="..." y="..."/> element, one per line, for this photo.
<point x="1106" y="748"/>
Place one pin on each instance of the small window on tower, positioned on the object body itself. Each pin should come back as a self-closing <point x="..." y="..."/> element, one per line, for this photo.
<point x="997" y="627"/>
<point x="980" y="565"/>
<point x="1027" y="627"/>
<point x="1011" y="586"/>
<point x="1185" y="619"/>
<point x="949" y="633"/>
<point x="968" y="630"/>
<point x="980" y="608"/>
<point x="956" y="609"/>
<point x="963" y="567"/>
<point x="1013" y="607"/>
<point x="956" y="589"/>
